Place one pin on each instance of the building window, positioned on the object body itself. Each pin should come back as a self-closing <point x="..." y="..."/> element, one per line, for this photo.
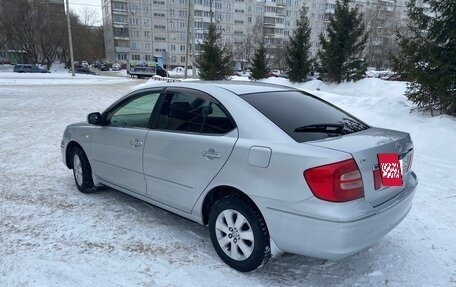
<point x="119" y="19"/>
<point x="134" y="21"/>
<point x="146" y="9"/>
<point x="121" y="57"/>
<point x="134" y="45"/>
<point x="135" y="57"/>
<point x="132" y="8"/>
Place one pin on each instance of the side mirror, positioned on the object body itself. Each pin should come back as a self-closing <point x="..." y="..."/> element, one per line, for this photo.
<point x="94" y="118"/>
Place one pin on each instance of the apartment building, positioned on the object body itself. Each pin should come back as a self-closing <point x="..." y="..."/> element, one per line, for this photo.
<point x="144" y="29"/>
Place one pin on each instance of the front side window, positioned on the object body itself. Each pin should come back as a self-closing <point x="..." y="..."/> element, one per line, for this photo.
<point x="134" y="112"/>
<point x="188" y="112"/>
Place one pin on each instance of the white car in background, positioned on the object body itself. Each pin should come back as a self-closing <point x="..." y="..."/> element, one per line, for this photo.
<point x="116" y="67"/>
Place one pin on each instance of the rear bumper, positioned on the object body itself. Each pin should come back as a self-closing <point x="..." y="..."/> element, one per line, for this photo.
<point x="334" y="239"/>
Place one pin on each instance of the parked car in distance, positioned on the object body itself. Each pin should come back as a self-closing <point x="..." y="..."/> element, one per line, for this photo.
<point x="268" y="168"/>
<point x="95" y="64"/>
<point x="103" y="67"/>
<point x="82" y="70"/>
<point x="85" y="64"/>
<point x="28" y="68"/>
<point x="116" y="67"/>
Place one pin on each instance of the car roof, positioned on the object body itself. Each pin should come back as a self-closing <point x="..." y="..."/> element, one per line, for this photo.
<point x="236" y="87"/>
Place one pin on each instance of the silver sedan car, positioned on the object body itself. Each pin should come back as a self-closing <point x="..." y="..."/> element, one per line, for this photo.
<point x="268" y="168"/>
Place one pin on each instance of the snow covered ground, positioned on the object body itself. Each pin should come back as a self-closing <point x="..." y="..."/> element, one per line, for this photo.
<point x="52" y="235"/>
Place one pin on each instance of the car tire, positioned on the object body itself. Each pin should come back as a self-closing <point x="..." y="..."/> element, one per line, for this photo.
<point x="82" y="171"/>
<point x="239" y="233"/>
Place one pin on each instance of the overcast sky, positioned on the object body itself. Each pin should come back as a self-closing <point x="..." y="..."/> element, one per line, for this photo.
<point x="94" y="5"/>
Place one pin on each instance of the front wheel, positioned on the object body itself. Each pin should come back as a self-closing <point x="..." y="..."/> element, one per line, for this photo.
<point x="82" y="171"/>
<point x="239" y="234"/>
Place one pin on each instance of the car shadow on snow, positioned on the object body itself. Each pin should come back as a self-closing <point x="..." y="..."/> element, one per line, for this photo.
<point x="286" y="269"/>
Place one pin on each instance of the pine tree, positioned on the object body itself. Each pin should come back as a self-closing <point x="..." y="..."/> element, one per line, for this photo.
<point x="215" y="61"/>
<point x="428" y="57"/>
<point x="298" y="60"/>
<point x="340" y="53"/>
<point x="259" y="66"/>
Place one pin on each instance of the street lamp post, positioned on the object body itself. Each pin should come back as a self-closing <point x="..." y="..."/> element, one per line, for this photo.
<point x="187" y="46"/>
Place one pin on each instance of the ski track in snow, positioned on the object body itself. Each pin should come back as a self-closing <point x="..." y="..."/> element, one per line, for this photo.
<point x="52" y="235"/>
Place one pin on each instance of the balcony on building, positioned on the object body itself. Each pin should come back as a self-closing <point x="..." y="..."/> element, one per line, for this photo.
<point x="119" y="7"/>
<point x="121" y="34"/>
<point x="281" y="3"/>
<point x="119" y="11"/>
<point x="122" y="49"/>
<point x="270" y="14"/>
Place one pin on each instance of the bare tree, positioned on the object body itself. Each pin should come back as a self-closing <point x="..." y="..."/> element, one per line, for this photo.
<point x="243" y="50"/>
<point x="382" y="23"/>
<point x="35" y="28"/>
<point x="88" y="17"/>
<point x="277" y="57"/>
<point x="88" y="41"/>
<point x="244" y="46"/>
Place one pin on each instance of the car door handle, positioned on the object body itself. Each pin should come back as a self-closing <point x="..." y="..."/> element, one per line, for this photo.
<point x="211" y="154"/>
<point x="136" y="143"/>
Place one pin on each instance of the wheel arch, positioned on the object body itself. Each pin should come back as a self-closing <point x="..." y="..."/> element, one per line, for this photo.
<point x="69" y="152"/>
<point x="219" y="192"/>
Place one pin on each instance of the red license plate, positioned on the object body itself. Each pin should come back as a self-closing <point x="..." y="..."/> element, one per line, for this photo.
<point x="390" y="169"/>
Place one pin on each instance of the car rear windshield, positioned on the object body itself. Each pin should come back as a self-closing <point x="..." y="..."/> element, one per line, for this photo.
<point x="304" y="117"/>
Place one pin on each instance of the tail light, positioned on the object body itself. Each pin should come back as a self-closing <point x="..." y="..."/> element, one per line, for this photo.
<point x="336" y="182"/>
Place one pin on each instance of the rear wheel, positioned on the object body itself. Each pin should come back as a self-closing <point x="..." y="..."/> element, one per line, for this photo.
<point x="82" y="171"/>
<point x="239" y="234"/>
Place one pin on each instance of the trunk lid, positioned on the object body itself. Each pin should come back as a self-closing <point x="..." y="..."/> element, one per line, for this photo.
<point x="365" y="146"/>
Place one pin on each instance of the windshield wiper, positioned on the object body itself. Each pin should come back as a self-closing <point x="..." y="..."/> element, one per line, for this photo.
<point x="322" y="128"/>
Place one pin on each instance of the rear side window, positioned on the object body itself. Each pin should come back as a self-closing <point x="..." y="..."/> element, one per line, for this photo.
<point x="304" y="117"/>
<point x="189" y="112"/>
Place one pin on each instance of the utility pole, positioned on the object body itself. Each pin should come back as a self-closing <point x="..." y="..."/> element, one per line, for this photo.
<point x="187" y="46"/>
<point x="69" y="37"/>
<point x="192" y="20"/>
